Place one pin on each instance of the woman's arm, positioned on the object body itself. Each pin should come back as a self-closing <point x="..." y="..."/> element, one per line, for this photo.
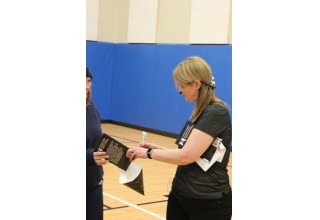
<point x="196" y="145"/>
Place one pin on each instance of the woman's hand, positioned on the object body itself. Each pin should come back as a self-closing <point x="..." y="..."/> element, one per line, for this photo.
<point x="137" y="152"/>
<point x="101" y="158"/>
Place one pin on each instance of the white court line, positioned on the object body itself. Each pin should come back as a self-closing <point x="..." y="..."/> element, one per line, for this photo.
<point x="134" y="206"/>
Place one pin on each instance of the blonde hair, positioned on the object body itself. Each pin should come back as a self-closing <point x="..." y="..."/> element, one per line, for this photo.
<point x="196" y="68"/>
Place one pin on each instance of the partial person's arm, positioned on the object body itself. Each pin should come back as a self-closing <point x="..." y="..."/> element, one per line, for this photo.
<point x="196" y="145"/>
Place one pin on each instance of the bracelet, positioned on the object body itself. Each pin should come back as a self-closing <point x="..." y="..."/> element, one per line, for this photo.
<point x="149" y="152"/>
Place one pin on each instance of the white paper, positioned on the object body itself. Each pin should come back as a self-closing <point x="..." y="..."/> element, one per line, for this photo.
<point x="217" y="156"/>
<point x="130" y="174"/>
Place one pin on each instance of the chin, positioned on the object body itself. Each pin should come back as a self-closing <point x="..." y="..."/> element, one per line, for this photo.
<point x="190" y="100"/>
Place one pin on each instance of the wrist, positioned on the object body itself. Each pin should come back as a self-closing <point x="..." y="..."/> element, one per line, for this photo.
<point x="149" y="153"/>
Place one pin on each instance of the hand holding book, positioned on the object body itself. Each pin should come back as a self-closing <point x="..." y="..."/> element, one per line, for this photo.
<point x="131" y="175"/>
<point x="115" y="150"/>
<point x="136" y="152"/>
<point x="101" y="158"/>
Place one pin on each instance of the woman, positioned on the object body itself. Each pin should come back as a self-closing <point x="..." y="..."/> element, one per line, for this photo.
<point x="94" y="198"/>
<point x="196" y="194"/>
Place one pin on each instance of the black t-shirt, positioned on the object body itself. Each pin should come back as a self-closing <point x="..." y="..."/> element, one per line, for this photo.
<point x="190" y="180"/>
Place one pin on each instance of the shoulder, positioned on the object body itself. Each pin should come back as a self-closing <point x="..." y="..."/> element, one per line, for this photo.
<point x="214" y="110"/>
<point x="214" y="120"/>
<point x="214" y="114"/>
<point x="92" y="107"/>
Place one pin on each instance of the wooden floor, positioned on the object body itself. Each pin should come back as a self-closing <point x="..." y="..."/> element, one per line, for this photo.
<point x="122" y="202"/>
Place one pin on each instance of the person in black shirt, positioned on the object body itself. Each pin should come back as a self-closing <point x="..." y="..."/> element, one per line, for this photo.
<point x="197" y="194"/>
<point x="95" y="160"/>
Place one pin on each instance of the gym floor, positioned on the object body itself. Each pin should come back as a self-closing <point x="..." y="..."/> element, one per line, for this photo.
<point x="120" y="201"/>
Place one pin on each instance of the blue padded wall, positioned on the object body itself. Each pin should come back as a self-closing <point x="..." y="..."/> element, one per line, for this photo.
<point x="99" y="57"/>
<point x="142" y="90"/>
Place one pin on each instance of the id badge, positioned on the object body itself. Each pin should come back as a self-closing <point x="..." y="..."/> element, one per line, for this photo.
<point x="184" y="134"/>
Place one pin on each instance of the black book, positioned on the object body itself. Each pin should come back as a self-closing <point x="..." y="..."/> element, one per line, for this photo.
<point x="116" y="151"/>
<point x="183" y="137"/>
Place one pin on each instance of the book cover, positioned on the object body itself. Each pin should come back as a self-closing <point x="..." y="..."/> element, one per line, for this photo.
<point x="116" y="151"/>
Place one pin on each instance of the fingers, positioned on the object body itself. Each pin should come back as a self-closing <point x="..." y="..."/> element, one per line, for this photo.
<point x="99" y="153"/>
<point x="136" y="152"/>
<point x="102" y="161"/>
<point x="101" y="158"/>
<point x="133" y="153"/>
<point x="145" y="145"/>
<point x="130" y="154"/>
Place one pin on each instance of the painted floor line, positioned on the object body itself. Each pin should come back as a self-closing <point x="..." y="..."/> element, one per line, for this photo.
<point x="134" y="206"/>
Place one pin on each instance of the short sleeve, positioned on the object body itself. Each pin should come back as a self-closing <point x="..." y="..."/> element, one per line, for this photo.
<point x="214" y="120"/>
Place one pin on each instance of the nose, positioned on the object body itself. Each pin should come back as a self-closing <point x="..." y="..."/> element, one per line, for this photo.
<point x="88" y="85"/>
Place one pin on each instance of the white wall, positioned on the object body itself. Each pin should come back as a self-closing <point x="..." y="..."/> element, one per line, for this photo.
<point x="113" y="21"/>
<point x="209" y="23"/>
<point x="160" y="21"/>
<point x="123" y="19"/>
<point x="92" y="20"/>
<point x="142" y="24"/>
<point x="173" y="21"/>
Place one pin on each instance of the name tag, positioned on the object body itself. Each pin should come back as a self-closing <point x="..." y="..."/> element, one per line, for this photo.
<point x="184" y="134"/>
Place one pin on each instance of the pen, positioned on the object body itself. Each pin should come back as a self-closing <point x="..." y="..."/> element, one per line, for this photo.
<point x="144" y="134"/>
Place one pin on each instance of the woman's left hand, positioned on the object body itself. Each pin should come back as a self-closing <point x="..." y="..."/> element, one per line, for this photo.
<point x="136" y="152"/>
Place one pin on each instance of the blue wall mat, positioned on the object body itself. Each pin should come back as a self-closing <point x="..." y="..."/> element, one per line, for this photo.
<point x="125" y="83"/>
<point x="100" y="61"/>
<point x="175" y="109"/>
<point x="142" y="91"/>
